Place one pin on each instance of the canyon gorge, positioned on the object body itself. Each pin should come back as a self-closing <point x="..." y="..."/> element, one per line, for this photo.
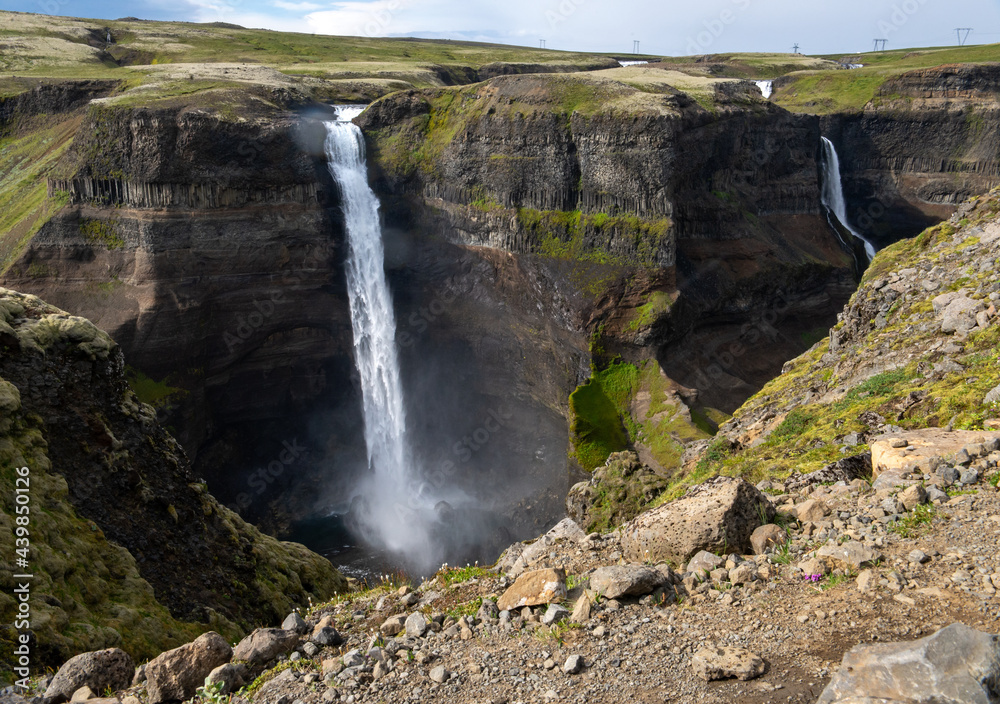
<point x="580" y="260"/>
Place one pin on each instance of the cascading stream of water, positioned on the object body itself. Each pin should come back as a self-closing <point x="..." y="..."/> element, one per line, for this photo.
<point x="832" y="194"/>
<point x="389" y="514"/>
<point x="765" y="88"/>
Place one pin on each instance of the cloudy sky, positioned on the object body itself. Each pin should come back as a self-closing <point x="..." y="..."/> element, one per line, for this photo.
<point x="661" y="26"/>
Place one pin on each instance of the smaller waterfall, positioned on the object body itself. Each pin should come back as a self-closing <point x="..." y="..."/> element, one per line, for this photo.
<point x="832" y="194"/>
<point x="765" y="88"/>
<point x="632" y="63"/>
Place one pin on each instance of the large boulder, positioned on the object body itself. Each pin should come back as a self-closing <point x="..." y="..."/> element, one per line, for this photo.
<point x="956" y="664"/>
<point x="100" y="670"/>
<point x="176" y="674"/>
<point x="265" y="644"/>
<point x="717" y="516"/>
<point x="534" y="588"/>
<point x="625" y="580"/>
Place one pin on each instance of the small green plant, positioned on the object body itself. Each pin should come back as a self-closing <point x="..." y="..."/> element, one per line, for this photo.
<point x="212" y="693"/>
<point x="995" y="479"/>
<point x="783" y="554"/>
<point x="914" y="523"/>
<point x="834" y="580"/>
<point x="457" y="575"/>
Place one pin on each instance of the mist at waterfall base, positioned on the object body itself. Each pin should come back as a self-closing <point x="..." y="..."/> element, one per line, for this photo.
<point x="407" y="516"/>
<point x="832" y="194"/>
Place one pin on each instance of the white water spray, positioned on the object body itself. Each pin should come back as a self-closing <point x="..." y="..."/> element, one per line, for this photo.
<point x="765" y="88"/>
<point x="832" y="193"/>
<point x="391" y="511"/>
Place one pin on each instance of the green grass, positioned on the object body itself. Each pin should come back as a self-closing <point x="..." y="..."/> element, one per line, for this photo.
<point x="456" y="575"/>
<point x="915" y="523"/>
<point x="598" y="409"/>
<point x="155" y="393"/>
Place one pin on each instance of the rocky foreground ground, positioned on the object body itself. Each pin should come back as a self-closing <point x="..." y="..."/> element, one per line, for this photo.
<point x="897" y="554"/>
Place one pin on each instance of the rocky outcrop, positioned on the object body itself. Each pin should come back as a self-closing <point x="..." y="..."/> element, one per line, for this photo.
<point x="956" y="664"/>
<point x="100" y="670"/>
<point x="176" y="674"/>
<point x="720" y="514"/>
<point x="614" y="494"/>
<point x="122" y="527"/>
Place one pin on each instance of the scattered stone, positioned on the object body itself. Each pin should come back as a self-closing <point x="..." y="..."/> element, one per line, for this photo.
<point x="393" y="625"/>
<point x="721" y="663"/>
<point x="812" y="567"/>
<point x="866" y="581"/>
<point x="265" y="644"/>
<point x="743" y="573"/>
<point x="99" y="669"/>
<point x="231" y="675"/>
<point x="294" y="622"/>
<point x="554" y="614"/>
<point x="767" y="536"/>
<point x="913" y="496"/>
<point x="177" y="673"/>
<point x="718" y="515"/>
<point x="852" y="555"/>
<point x="969" y="476"/>
<point x="573" y="664"/>
<point x="993" y="396"/>
<point x="581" y="610"/>
<point x="415" y="625"/>
<point x="438" y="674"/>
<point x="533" y="588"/>
<point x="327" y="636"/>
<point x="625" y="580"/>
<point x="897" y="443"/>
<point x="488" y="610"/>
<point x="918" y="556"/>
<point x="953" y="665"/>
<point x="353" y="658"/>
<point x="82" y="694"/>
<point x="704" y="561"/>
<point x="810" y="510"/>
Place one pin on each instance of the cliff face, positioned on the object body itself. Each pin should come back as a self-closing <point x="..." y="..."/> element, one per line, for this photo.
<point x="204" y="243"/>
<point x="928" y="141"/>
<point x="632" y="193"/>
<point x="128" y="547"/>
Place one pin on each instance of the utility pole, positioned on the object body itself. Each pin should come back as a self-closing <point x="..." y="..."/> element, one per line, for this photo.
<point x="795" y="48"/>
<point x="635" y="46"/>
<point x="879" y="45"/>
<point x="958" y="33"/>
<point x="541" y="43"/>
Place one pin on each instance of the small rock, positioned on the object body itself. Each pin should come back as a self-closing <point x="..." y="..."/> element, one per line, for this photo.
<point x="554" y="614"/>
<point x="918" y="556"/>
<point x="294" y="622"/>
<point x="438" y="674"/>
<point x="533" y="588"/>
<point x="866" y="581"/>
<point x="573" y="664"/>
<point x="743" y="573"/>
<point x="99" y="669"/>
<point x="704" y="561"/>
<point x="811" y="510"/>
<point x="720" y="663"/>
<point x="625" y="580"/>
<point x="852" y="555"/>
<point x="415" y="625"/>
<point x="231" y="675"/>
<point x="353" y="658"/>
<point x="392" y="625"/>
<point x="898" y="443"/>
<point x="177" y="673"/>
<point x="581" y="610"/>
<point x="969" y="476"/>
<point x="82" y="694"/>
<point x="327" y="636"/>
<point x="769" y="535"/>
<point x="265" y="644"/>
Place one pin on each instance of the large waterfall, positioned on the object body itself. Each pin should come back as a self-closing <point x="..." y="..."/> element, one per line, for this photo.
<point x="832" y="193"/>
<point x="384" y="511"/>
